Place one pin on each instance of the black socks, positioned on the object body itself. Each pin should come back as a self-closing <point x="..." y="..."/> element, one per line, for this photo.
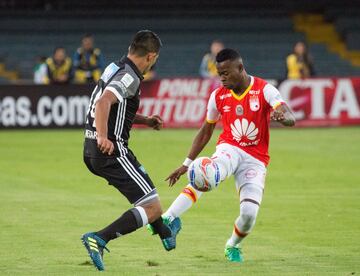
<point x="162" y="229"/>
<point x="127" y="223"/>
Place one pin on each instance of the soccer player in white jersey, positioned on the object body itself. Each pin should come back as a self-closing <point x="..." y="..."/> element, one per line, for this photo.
<point x="245" y="105"/>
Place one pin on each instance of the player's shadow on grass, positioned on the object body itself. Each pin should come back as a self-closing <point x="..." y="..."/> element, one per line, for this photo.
<point x="206" y="258"/>
<point x="149" y="263"/>
<point x="152" y="263"/>
<point x="86" y="263"/>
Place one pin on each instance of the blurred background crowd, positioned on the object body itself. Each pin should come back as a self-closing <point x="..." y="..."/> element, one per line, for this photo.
<point x="63" y="41"/>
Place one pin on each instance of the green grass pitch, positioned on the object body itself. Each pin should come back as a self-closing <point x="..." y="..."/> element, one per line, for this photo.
<point x="309" y="222"/>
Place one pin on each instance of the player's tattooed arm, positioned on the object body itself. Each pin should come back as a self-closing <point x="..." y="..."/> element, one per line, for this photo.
<point x="153" y="121"/>
<point x="200" y="141"/>
<point x="283" y="115"/>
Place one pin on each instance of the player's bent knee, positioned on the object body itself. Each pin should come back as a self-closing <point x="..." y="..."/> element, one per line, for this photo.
<point x="248" y="220"/>
<point x="249" y="210"/>
<point x="248" y="214"/>
<point x="153" y="210"/>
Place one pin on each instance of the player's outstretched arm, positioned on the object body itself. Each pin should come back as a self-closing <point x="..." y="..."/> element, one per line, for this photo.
<point x="154" y="121"/>
<point x="102" y="110"/>
<point x="283" y="115"/>
<point x="200" y="141"/>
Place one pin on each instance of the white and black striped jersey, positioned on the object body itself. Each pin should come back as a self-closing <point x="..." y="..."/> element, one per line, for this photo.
<point x="123" y="79"/>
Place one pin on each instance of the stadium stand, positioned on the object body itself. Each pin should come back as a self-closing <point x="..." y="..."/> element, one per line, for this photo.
<point x="263" y="32"/>
<point x="320" y="30"/>
<point x="349" y="26"/>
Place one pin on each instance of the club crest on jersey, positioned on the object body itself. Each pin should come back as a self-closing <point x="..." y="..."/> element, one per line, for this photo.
<point x="254" y="103"/>
<point x="239" y="110"/>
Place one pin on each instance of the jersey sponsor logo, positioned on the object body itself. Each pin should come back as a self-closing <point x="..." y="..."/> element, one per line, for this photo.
<point x="226" y="108"/>
<point x="127" y="80"/>
<point x="90" y="134"/>
<point x="225" y="96"/>
<point x="239" y="110"/>
<point x="254" y="92"/>
<point x="242" y="129"/>
<point x="252" y="143"/>
<point x="254" y="103"/>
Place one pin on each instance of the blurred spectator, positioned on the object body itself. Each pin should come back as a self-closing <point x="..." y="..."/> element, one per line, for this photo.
<point x="208" y="67"/>
<point x="88" y="61"/>
<point x="58" y="67"/>
<point x="40" y="70"/>
<point x="299" y="64"/>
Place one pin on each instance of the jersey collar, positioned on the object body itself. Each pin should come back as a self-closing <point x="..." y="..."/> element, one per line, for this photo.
<point x="240" y="97"/>
<point x="128" y="61"/>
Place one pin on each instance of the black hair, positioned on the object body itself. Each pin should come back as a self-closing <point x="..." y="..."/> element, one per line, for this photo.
<point x="87" y="35"/>
<point x="59" y="48"/>
<point x="145" y="42"/>
<point x="227" y="54"/>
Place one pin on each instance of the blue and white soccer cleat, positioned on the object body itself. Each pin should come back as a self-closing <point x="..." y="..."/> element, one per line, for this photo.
<point x="175" y="227"/>
<point x="95" y="247"/>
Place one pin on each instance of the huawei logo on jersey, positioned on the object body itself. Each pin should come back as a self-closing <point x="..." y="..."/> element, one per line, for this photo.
<point x="242" y="128"/>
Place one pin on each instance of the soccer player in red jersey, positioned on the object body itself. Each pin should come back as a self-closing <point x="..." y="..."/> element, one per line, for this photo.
<point x="245" y="105"/>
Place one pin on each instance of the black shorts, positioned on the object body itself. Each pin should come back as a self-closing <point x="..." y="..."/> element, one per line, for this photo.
<point x="126" y="174"/>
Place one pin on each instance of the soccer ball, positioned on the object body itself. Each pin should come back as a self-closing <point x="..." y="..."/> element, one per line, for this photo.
<point x="204" y="174"/>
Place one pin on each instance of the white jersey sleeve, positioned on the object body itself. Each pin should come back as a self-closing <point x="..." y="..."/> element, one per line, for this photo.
<point x="272" y="96"/>
<point x="212" y="114"/>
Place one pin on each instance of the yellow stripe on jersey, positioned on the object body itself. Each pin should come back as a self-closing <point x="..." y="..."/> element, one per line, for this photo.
<point x="277" y="105"/>
<point x="211" y="121"/>
<point x="240" y="97"/>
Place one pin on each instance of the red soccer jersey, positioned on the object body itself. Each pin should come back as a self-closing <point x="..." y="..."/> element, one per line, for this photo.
<point x="245" y="118"/>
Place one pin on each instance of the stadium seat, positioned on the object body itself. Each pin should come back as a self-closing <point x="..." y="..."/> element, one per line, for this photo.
<point x="260" y="30"/>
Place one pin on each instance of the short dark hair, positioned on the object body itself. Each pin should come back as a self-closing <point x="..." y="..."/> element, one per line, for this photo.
<point x="145" y="42"/>
<point x="59" y="48"/>
<point x="87" y="35"/>
<point x="227" y="54"/>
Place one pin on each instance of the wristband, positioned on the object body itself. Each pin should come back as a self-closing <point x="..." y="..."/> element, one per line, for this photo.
<point x="187" y="162"/>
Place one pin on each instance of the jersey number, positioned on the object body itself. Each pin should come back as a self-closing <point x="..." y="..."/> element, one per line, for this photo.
<point x="94" y="98"/>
